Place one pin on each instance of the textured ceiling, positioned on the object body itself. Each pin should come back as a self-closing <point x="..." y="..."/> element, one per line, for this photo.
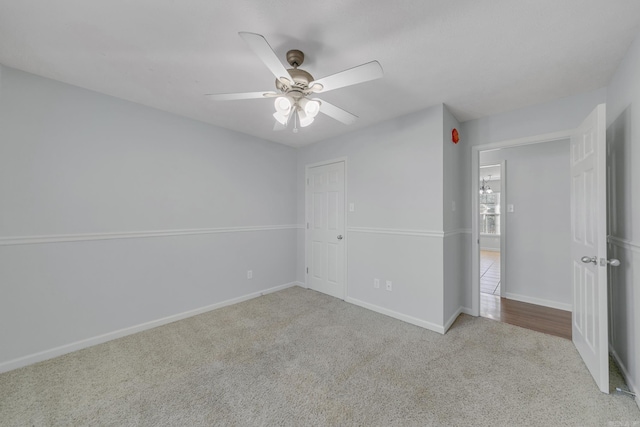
<point x="479" y="57"/>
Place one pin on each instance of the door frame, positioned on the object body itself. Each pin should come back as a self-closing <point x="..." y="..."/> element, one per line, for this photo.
<point x="307" y="198"/>
<point x="503" y="222"/>
<point x="475" y="210"/>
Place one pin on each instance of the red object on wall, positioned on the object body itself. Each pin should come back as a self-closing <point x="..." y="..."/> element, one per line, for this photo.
<point x="455" y="137"/>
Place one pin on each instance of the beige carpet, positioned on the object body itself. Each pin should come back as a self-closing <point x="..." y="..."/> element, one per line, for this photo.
<point x="298" y="357"/>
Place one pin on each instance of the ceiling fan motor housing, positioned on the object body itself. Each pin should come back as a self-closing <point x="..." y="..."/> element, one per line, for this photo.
<point x="300" y="81"/>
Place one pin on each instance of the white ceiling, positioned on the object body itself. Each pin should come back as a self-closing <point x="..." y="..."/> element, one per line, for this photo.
<point x="479" y="57"/>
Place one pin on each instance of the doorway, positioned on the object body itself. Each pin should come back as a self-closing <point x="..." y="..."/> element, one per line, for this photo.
<point x="491" y="228"/>
<point x="523" y="217"/>
<point x="586" y="237"/>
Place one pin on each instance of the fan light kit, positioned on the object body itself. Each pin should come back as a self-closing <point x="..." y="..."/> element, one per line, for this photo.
<point x="293" y="101"/>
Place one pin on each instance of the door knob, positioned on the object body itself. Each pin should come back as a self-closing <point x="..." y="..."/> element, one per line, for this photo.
<point x="587" y="259"/>
<point x="612" y="262"/>
<point x="339" y="236"/>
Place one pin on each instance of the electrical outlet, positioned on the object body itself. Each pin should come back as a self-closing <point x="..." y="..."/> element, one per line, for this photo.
<point x="376" y="283"/>
<point x="249" y="274"/>
<point x="389" y="285"/>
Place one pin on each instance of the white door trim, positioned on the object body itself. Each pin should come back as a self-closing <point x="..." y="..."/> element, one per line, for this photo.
<point x="306" y="220"/>
<point x="475" y="212"/>
<point x="503" y="228"/>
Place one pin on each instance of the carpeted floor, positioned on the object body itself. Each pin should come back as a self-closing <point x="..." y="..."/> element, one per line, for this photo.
<point x="298" y="357"/>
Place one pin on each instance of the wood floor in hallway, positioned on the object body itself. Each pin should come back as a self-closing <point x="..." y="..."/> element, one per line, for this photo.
<point x="535" y="317"/>
<point x="530" y="316"/>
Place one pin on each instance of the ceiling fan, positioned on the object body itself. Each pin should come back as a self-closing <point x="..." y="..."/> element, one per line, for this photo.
<point x="294" y="101"/>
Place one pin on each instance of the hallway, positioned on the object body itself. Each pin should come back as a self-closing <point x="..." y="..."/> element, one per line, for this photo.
<point x="530" y="316"/>
<point x="490" y="272"/>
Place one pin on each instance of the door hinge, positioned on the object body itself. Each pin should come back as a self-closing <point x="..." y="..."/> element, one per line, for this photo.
<point x="308" y="181"/>
<point x="307" y="270"/>
<point x="307" y="226"/>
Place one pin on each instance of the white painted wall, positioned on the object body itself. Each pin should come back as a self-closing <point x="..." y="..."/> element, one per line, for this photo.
<point x="456" y="236"/>
<point x="74" y="162"/>
<point x="538" y="252"/>
<point x="623" y="140"/>
<point x="394" y="179"/>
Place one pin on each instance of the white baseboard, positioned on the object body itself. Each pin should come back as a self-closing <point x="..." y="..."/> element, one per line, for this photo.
<point x="627" y="378"/>
<point x="89" y="342"/>
<point x="539" y="301"/>
<point x="405" y="318"/>
<point x="453" y="318"/>
<point x="467" y="310"/>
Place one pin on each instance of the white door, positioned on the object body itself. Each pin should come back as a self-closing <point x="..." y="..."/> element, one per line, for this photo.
<point x="588" y="246"/>
<point x="325" y="229"/>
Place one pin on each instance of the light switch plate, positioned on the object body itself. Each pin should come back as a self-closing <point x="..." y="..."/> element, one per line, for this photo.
<point x="509" y="208"/>
<point x="352" y="207"/>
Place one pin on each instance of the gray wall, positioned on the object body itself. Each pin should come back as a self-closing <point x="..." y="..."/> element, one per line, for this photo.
<point x="394" y="178"/>
<point x="623" y="138"/>
<point x="457" y="237"/>
<point x="554" y="116"/>
<point x="538" y="251"/>
<point x="115" y="215"/>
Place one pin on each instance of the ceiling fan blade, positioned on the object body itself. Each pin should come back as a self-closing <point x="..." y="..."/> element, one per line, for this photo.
<point x="360" y="74"/>
<point x="237" y="96"/>
<point x="336" y="113"/>
<point x="261" y="47"/>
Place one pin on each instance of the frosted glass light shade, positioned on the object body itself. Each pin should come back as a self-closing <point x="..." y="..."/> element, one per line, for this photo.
<point x="311" y="107"/>
<point x="304" y="119"/>
<point x="283" y="119"/>
<point x="283" y="105"/>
